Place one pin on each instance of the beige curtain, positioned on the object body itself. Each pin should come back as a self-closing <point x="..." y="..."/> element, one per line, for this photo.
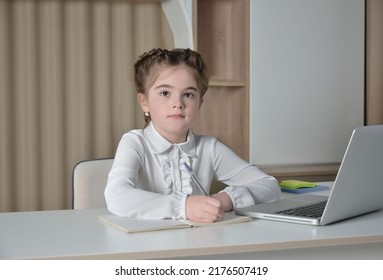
<point x="66" y="90"/>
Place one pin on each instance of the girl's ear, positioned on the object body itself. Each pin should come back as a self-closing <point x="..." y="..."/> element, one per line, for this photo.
<point x="143" y="100"/>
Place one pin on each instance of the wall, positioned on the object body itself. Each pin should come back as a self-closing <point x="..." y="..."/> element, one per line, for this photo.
<point x="307" y="79"/>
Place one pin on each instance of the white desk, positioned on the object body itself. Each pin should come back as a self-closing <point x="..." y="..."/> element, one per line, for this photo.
<point x="77" y="234"/>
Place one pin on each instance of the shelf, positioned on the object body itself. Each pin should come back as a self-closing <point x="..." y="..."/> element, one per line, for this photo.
<point x="312" y="172"/>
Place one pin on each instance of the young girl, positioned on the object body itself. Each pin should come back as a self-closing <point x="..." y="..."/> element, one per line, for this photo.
<point x="149" y="178"/>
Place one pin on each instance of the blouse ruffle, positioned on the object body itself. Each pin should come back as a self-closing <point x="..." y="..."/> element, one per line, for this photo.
<point x="175" y="176"/>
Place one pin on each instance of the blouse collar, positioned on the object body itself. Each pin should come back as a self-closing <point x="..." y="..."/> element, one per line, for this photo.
<point x="158" y="144"/>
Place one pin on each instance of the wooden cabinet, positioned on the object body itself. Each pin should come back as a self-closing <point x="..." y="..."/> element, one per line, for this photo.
<point x="222" y="32"/>
<point x="222" y="37"/>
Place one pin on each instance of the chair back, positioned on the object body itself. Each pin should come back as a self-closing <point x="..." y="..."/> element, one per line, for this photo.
<point x="89" y="180"/>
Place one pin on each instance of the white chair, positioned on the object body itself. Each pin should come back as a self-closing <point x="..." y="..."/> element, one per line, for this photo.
<point x="89" y="180"/>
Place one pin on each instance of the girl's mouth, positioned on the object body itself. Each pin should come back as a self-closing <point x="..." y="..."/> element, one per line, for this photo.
<point x="177" y="116"/>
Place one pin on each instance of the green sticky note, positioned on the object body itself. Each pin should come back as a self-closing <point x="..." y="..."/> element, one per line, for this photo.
<point x="296" y="184"/>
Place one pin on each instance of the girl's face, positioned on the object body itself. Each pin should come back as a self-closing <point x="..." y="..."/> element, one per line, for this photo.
<point x="173" y="102"/>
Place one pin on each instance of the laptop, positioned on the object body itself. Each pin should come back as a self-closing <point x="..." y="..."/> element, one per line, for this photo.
<point x="357" y="189"/>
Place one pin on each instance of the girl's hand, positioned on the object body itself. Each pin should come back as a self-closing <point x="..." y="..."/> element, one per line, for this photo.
<point x="226" y="202"/>
<point x="203" y="209"/>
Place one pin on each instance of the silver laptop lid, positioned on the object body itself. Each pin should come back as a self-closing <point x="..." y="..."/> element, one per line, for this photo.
<point x="358" y="187"/>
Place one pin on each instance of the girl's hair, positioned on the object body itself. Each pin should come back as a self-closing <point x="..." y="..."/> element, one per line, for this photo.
<point x="149" y="65"/>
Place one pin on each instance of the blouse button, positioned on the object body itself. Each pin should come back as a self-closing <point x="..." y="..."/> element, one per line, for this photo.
<point x="178" y="183"/>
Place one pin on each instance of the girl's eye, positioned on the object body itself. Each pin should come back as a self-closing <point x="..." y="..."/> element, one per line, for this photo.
<point x="189" y="95"/>
<point x="164" y="93"/>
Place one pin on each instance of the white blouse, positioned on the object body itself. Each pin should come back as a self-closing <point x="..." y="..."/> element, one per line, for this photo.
<point x="148" y="178"/>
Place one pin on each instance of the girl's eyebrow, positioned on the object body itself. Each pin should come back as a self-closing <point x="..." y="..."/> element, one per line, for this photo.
<point x="169" y="86"/>
<point x="163" y="86"/>
<point x="192" y="88"/>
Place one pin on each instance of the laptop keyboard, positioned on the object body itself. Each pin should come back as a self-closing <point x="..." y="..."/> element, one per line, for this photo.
<point x="310" y="211"/>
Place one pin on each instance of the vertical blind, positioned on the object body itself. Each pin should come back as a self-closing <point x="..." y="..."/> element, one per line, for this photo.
<point x="67" y="90"/>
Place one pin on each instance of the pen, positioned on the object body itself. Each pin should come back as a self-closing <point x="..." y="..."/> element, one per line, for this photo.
<point x="194" y="178"/>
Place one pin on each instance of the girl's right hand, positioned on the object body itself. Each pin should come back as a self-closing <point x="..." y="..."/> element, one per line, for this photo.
<point x="203" y="209"/>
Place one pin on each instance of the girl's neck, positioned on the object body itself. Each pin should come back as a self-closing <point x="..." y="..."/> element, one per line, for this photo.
<point x="173" y="138"/>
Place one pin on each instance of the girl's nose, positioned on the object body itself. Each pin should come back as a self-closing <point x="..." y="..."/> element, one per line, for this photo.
<point x="178" y="104"/>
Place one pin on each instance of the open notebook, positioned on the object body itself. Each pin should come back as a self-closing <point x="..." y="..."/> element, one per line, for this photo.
<point x="132" y="225"/>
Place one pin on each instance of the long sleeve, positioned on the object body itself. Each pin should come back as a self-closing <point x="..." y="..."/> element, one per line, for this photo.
<point x="246" y="184"/>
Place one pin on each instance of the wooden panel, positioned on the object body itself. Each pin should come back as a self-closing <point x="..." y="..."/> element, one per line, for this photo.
<point x="222" y="33"/>
<point x="222" y="39"/>
<point x="374" y="62"/>
<point x="223" y="116"/>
